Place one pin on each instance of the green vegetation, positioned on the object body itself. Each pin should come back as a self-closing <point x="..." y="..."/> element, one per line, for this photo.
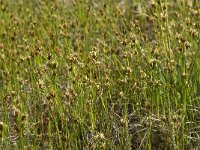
<point x="89" y="74"/>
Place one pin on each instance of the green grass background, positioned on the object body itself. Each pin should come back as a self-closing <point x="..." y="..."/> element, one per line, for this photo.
<point x="87" y="74"/>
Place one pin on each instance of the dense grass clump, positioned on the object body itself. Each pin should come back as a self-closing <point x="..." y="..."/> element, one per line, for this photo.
<point x="87" y="74"/>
